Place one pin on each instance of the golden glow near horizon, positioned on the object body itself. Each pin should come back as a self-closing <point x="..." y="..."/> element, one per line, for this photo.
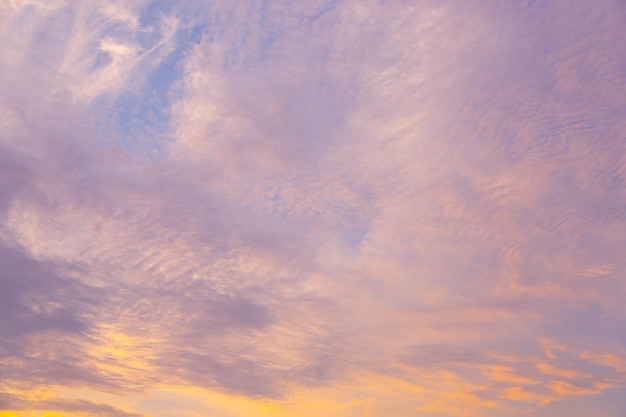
<point x="331" y="208"/>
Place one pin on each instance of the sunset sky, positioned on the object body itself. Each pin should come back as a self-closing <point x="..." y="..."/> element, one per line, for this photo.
<point x="312" y="208"/>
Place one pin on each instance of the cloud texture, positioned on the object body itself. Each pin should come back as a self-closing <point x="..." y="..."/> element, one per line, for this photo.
<point x="320" y="208"/>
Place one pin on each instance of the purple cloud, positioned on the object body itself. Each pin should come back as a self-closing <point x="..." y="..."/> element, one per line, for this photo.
<point x="373" y="207"/>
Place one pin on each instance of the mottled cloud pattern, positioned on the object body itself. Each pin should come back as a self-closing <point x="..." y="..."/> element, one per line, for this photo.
<point x="313" y="208"/>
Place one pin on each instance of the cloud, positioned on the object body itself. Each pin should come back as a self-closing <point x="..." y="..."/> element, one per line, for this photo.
<point x="87" y="407"/>
<point x="76" y="407"/>
<point x="28" y="297"/>
<point x="339" y="207"/>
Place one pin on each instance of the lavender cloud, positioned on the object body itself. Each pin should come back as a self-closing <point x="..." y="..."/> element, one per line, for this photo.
<point x="267" y="199"/>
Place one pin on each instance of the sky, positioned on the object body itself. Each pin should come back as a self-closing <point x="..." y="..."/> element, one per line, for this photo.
<point x="338" y="208"/>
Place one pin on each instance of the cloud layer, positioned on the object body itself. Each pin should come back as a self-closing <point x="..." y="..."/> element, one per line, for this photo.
<point x="333" y="208"/>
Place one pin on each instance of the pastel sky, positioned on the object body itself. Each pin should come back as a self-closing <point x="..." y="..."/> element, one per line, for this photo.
<point x="338" y="208"/>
